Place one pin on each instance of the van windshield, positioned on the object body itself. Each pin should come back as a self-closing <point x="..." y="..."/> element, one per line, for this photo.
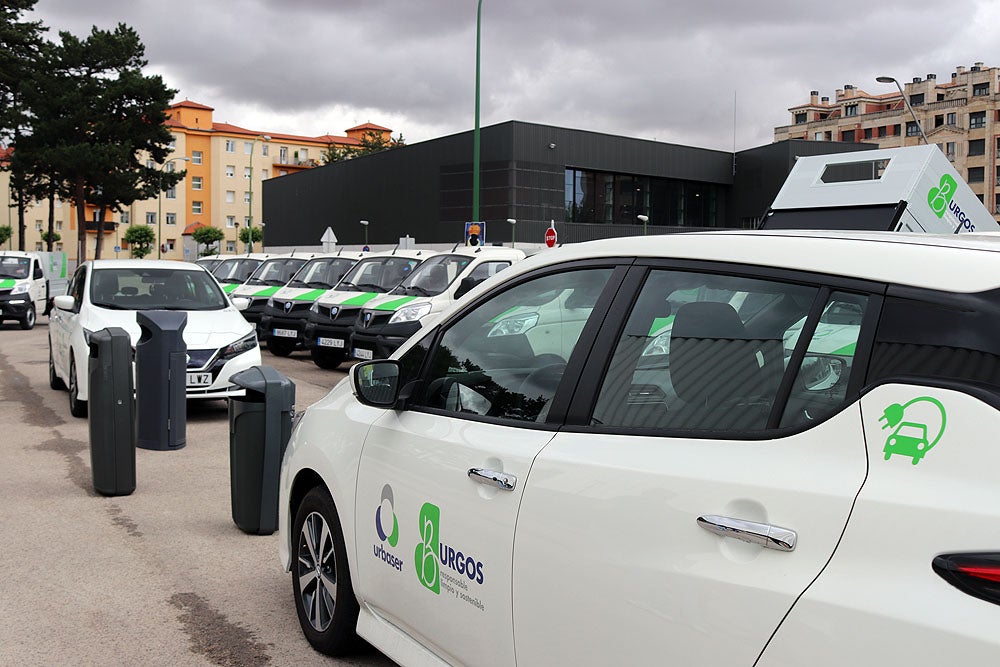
<point x="14" y="267"/>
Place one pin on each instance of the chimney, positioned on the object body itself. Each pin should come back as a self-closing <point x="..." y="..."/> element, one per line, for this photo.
<point x="840" y="93"/>
<point x="932" y="77"/>
<point x="960" y="69"/>
<point x="979" y="66"/>
<point x="813" y="97"/>
<point x="917" y="79"/>
<point x="825" y="99"/>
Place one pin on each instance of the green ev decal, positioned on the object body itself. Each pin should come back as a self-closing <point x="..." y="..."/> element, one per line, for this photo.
<point x="909" y="438"/>
<point x="425" y="556"/>
<point x="938" y="198"/>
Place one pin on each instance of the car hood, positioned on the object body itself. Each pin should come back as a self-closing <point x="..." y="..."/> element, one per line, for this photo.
<point x="204" y="328"/>
<point x="257" y="291"/>
<point x="393" y="302"/>
<point x="349" y="298"/>
<point x="299" y="293"/>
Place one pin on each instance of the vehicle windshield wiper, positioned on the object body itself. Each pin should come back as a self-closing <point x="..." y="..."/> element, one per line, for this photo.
<point x="347" y="284"/>
<point x="418" y="290"/>
<point x="371" y="287"/>
<point x="318" y="284"/>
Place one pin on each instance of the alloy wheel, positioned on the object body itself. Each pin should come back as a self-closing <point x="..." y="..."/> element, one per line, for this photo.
<point x="317" y="571"/>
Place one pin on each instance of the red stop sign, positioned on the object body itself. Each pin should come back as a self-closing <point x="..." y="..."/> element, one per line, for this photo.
<point x="550" y="237"/>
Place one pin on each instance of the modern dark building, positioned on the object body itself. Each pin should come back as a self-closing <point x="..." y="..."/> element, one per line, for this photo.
<point x="592" y="185"/>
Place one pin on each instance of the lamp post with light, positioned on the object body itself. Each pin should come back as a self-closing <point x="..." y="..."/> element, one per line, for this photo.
<point x="265" y="138"/>
<point x="159" y="205"/>
<point x="643" y="219"/>
<point x="513" y="231"/>
<point x="889" y="79"/>
<point x="364" y="223"/>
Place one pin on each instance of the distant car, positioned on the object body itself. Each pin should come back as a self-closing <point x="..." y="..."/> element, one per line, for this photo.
<point x="109" y="293"/>
<point x="669" y="450"/>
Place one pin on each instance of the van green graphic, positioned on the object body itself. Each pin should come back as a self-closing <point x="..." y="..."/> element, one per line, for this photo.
<point x="938" y="198"/>
<point x="909" y="438"/>
<point x="425" y="557"/>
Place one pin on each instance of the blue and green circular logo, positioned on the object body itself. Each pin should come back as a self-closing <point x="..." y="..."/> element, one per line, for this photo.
<point x="382" y="518"/>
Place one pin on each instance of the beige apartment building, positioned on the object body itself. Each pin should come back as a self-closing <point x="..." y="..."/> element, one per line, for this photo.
<point x="960" y="114"/>
<point x="225" y="166"/>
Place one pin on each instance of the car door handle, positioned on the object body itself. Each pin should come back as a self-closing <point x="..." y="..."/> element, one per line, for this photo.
<point x="493" y="478"/>
<point x="763" y="534"/>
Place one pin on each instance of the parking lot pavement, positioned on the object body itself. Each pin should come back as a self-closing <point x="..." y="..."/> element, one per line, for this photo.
<point x="161" y="577"/>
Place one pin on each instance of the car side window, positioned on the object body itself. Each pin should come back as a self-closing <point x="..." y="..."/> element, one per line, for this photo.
<point x="505" y="357"/>
<point x="76" y="289"/>
<point x="38" y="273"/>
<point x="701" y="352"/>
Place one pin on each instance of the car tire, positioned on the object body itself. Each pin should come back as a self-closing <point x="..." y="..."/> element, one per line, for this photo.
<point x="28" y="321"/>
<point x="55" y="382"/>
<point x="327" y="359"/>
<point x="77" y="408"/>
<point x="324" y="595"/>
<point x="279" y="347"/>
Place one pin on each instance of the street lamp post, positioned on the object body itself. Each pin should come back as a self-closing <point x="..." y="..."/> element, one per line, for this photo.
<point x="889" y="79"/>
<point x="159" y="206"/>
<point x="643" y="219"/>
<point x="250" y="192"/>
<point x="364" y="223"/>
<point x="475" y="134"/>
<point x="513" y="232"/>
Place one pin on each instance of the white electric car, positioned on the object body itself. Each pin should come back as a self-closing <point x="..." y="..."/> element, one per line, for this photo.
<point x="109" y="293"/>
<point x="734" y="448"/>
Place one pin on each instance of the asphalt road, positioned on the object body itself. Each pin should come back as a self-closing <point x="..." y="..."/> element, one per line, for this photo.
<point x="160" y="577"/>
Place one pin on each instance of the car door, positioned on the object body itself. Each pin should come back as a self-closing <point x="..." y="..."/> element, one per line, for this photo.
<point x="61" y="323"/>
<point x="38" y="291"/>
<point x="718" y="413"/>
<point x="440" y="483"/>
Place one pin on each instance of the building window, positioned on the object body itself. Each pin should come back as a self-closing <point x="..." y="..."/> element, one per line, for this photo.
<point x="151" y="218"/>
<point x="912" y="129"/>
<point x="303" y="154"/>
<point x="125" y="220"/>
<point x="230" y="196"/>
<point x="246" y="197"/>
<point x="38" y="246"/>
<point x="817" y="136"/>
<point x="977" y="120"/>
<point x="976" y="174"/>
<point x="230" y="246"/>
<point x="247" y="172"/>
<point x="847" y="135"/>
<point x="801" y="117"/>
<point x="59" y="247"/>
<point x="282" y="172"/>
<point x="59" y="223"/>
<point x="916" y="99"/>
<point x="230" y="170"/>
<point x="172" y="145"/>
<point x="150" y="164"/>
<point x="171" y="193"/>
<point x="977" y="147"/>
<point x="264" y="174"/>
<point x="196" y="207"/>
<point x="38" y="225"/>
<point x="247" y="147"/>
<point x="882" y="131"/>
<point x="196" y="157"/>
<point x="171" y="219"/>
<point x="230" y="221"/>
<point x="170" y="167"/>
<point x="263" y="149"/>
<point x="283" y="155"/>
<point x="196" y="182"/>
<point x="230" y="146"/>
<point x="949" y="150"/>
<point x="170" y="244"/>
<point x="868" y="133"/>
<point x="851" y="110"/>
<point x="979" y="89"/>
<point x="951" y="118"/>
<point x="939" y="120"/>
<point x="246" y="221"/>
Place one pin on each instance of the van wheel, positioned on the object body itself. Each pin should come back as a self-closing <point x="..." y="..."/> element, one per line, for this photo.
<point x="279" y="347"/>
<point x="327" y="359"/>
<point x="77" y="408"/>
<point x="28" y="322"/>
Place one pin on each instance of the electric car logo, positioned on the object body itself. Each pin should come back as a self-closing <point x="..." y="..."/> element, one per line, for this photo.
<point x="385" y="516"/>
<point x="911" y="423"/>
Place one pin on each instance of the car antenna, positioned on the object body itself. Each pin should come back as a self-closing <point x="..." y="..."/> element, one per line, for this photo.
<point x="395" y="249"/>
<point x="456" y="246"/>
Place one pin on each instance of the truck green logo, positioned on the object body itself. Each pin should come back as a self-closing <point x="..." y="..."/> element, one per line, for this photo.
<point x="425" y="556"/>
<point x="938" y="198"/>
<point x="909" y="437"/>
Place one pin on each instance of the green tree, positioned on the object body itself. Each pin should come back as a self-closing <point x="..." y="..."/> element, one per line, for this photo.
<point x="5" y="232"/>
<point x="207" y="236"/>
<point x="140" y="240"/>
<point x="258" y="235"/>
<point x="335" y="153"/>
<point x="50" y="238"/>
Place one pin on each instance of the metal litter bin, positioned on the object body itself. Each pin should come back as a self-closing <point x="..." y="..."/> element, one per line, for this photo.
<point x="111" y="417"/>
<point x="161" y="380"/>
<point x="260" y="425"/>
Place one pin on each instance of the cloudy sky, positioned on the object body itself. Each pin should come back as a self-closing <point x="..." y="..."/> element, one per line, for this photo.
<point x="655" y="69"/>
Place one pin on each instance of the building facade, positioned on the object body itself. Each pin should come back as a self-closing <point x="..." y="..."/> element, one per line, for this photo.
<point x="961" y="115"/>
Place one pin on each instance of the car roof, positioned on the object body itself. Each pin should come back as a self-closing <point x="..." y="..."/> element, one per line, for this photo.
<point x="958" y="263"/>
<point x="98" y="264"/>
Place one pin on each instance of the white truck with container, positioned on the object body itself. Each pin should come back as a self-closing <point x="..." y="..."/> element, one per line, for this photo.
<point x="911" y="189"/>
<point x="28" y="283"/>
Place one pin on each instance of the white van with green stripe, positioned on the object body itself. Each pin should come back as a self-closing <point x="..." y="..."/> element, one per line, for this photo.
<point x="28" y="282"/>
<point x="266" y="280"/>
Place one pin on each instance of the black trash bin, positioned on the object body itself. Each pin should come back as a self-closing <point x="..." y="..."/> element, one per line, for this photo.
<point x="111" y="417"/>
<point x="259" y="427"/>
<point x="161" y="380"/>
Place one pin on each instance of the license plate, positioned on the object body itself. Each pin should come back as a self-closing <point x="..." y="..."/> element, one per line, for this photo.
<point x="286" y="333"/>
<point x="361" y="353"/>
<point x="330" y="342"/>
<point x="199" y="379"/>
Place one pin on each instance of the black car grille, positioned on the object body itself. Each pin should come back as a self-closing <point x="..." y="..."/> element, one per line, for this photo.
<point x="373" y="318"/>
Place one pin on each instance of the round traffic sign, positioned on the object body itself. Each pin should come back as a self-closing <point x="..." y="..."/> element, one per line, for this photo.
<point x="550" y="237"/>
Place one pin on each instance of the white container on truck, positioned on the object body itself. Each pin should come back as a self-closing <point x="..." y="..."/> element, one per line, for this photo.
<point x="911" y="189"/>
<point x="28" y="282"/>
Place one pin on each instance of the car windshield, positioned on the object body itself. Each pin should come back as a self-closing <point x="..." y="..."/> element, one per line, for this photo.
<point x="433" y="276"/>
<point x="322" y="273"/>
<point x="378" y="274"/>
<point x="14" y="267"/>
<point x="155" y="289"/>
<point x="209" y="264"/>
<point x="235" y="270"/>
<point x="276" y="271"/>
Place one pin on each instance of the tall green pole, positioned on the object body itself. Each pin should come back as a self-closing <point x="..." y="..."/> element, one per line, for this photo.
<point x="475" y="134"/>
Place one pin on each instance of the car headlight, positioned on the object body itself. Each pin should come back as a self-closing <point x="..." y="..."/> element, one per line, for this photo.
<point x="512" y="326"/>
<point x="21" y="288"/>
<point x="410" y="313"/>
<point x="244" y="344"/>
<point x="270" y="302"/>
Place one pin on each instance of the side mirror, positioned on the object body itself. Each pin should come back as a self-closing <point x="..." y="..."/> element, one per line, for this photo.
<point x="64" y="302"/>
<point x="376" y="383"/>
<point x="821" y="372"/>
<point x="466" y="286"/>
<point x="240" y="303"/>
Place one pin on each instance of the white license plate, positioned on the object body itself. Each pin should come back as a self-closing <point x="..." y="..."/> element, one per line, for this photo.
<point x="199" y="379"/>
<point x="286" y="333"/>
<point x="330" y="342"/>
<point x="361" y="353"/>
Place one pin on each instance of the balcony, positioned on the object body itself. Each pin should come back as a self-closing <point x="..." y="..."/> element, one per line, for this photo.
<point x="109" y="227"/>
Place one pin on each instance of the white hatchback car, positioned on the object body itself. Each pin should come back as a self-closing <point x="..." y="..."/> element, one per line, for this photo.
<point x="730" y="448"/>
<point x="109" y="293"/>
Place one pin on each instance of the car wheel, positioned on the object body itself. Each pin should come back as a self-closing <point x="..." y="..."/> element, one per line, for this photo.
<point x="77" y="408"/>
<point x="324" y="595"/>
<point x="29" y="318"/>
<point x="55" y="382"/>
<point x="279" y="347"/>
<point x="327" y="359"/>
